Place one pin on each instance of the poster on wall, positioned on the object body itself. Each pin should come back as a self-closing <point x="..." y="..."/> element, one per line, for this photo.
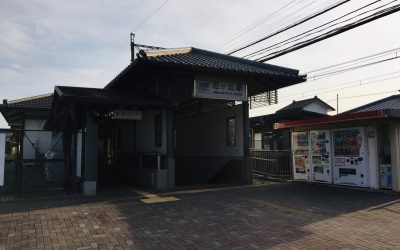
<point x="2" y="157"/>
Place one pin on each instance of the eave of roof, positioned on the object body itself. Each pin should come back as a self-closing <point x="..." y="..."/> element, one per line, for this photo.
<point x="33" y="102"/>
<point x="31" y="98"/>
<point x="21" y="108"/>
<point x="336" y="119"/>
<point x="290" y="115"/>
<point x="106" y="96"/>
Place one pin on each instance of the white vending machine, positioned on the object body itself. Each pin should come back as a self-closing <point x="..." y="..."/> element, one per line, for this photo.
<point x="321" y="161"/>
<point x="301" y="153"/>
<point x="350" y="160"/>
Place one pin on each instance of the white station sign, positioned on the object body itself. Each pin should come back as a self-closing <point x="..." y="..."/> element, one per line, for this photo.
<point x="220" y="89"/>
<point x="121" y="114"/>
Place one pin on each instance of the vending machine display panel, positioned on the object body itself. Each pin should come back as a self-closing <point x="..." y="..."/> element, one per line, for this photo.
<point x="320" y="155"/>
<point x="300" y="146"/>
<point x="350" y="166"/>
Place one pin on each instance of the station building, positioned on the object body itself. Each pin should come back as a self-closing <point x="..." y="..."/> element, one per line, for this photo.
<point x="172" y="117"/>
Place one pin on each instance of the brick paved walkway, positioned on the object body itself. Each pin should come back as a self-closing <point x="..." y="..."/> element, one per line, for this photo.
<point x="274" y="216"/>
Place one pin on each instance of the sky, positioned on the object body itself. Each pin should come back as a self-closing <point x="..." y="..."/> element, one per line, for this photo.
<point x="86" y="43"/>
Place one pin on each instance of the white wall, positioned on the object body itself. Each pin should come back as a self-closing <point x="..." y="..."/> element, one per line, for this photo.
<point x="145" y="132"/>
<point x="372" y="147"/>
<point x="205" y="134"/>
<point x="316" y="107"/>
<point x="395" y="154"/>
<point x="41" y="140"/>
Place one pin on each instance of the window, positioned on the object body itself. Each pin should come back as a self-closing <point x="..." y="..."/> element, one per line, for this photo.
<point x="231" y="131"/>
<point x="158" y="130"/>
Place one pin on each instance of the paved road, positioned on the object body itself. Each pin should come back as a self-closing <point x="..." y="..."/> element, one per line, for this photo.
<point x="271" y="216"/>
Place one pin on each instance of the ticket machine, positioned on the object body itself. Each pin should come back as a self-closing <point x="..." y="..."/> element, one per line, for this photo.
<point x="321" y="163"/>
<point x="350" y="161"/>
<point x="300" y="147"/>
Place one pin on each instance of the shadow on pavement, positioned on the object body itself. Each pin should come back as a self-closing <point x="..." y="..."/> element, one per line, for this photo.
<point x="270" y="215"/>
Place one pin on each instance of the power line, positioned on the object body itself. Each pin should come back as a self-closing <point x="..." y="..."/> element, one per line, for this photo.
<point x="303" y="34"/>
<point x="358" y="85"/>
<point x="280" y="23"/>
<point x="288" y="21"/>
<point x="354" y="96"/>
<point x="361" y="59"/>
<point x="256" y="24"/>
<point x="292" y="25"/>
<point x="150" y="15"/>
<point x="338" y="89"/>
<point x="346" y="83"/>
<point x="337" y="31"/>
<point x="363" y="95"/>
<point x="127" y="40"/>
<point x="328" y="74"/>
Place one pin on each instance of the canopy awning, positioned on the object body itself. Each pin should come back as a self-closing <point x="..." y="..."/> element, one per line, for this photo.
<point x="347" y="117"/>
<point x="69" y="103"/>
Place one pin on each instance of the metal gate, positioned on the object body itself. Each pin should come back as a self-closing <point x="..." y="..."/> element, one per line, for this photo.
<point x="33" y="161"/>
<point x="274" y="163"/>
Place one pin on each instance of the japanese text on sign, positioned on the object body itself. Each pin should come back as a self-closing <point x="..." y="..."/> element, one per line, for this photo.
<point x="220" y="89"/>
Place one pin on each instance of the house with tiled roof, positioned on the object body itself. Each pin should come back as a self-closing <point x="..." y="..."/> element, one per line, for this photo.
<point x="359" y="147"/>
<point x="313" y="105"/>
<point x="264" y="136"/>
<point x="25" y="112"/>
<point x="37" y="153"/>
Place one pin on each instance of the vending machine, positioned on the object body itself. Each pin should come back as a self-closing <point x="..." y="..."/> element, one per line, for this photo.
<point x="385" y="171"/>
<point x="350" y="159"/>
<point x="321" y="163"/>
<point x="300" y="146"/>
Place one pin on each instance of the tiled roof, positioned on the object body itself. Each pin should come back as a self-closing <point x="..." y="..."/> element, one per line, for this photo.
<point x="391" y="102"/>
<point x="303" y="103"/>
<point x="34" y="102"/>
<point x="194" y="59"/>
<point x="207" y="59"/>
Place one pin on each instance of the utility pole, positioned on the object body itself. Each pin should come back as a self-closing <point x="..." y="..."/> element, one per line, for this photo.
<point x="337" y="103"/>
<point x="132" y="47"/>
